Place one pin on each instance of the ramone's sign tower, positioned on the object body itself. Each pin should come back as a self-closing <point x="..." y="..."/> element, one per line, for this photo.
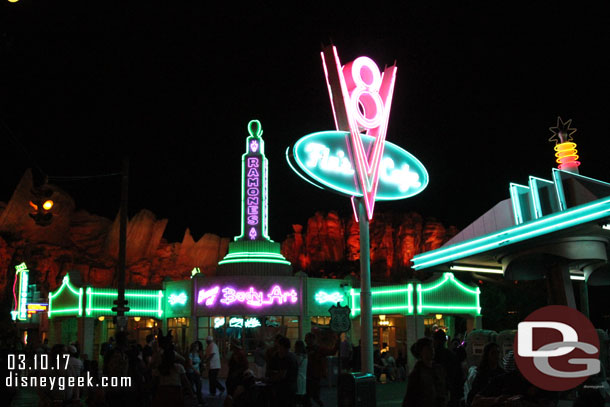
<point x="253" y="252"/>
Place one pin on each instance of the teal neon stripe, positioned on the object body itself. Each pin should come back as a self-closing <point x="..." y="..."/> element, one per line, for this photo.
<point x="254" y="260"/>
<point x="554" y="222"/>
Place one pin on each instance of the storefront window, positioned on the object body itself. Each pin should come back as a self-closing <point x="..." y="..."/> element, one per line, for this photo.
<point x="292" y="328"/>
<point x="320" y="322"/>
<point x="203" y="328"/>
<point x="179" y="327"/>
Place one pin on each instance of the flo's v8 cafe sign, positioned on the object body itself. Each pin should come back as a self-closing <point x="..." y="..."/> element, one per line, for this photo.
<point x="355" y="159"/>
<point x="323" y="159"/>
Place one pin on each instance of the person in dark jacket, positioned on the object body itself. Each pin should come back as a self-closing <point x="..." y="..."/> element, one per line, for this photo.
<point x="449" y="361"/>
<point x="488" y="369"/>
<point x="426" y="385"/>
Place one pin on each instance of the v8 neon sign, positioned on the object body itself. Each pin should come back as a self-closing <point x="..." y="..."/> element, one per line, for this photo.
<point x="361" y="97"/>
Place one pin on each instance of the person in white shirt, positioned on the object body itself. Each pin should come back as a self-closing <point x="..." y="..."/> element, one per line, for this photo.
<point x="212" y="358"/>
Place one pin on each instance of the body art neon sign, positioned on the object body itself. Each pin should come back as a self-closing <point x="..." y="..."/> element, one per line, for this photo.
<point x="20" y="292"/>
<point x="322" y="297"/>
<point x="174" y="299"/>
<point x="251" y="297"/>
<point x="355" y="160"/>
<point x="209" y="296"/>
<point x="254" y="186"/>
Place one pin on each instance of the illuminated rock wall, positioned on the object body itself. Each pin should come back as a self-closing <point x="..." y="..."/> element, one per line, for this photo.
<point x="395" y="239"/>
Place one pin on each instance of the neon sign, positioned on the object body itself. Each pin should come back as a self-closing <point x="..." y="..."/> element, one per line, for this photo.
<point x="236" y="322"/>
<point x="34" y="308"/>
<point x="254" y="186"/>
<point x="141" y="302"/>
<point x="365" y="104"/>
<point x="195" y="271"/>
<point x="448" y="294"/>
<point x="565" y="148"/>
<point x="355" y="160"/>
<point x="251" y="297"/>
<point x="319" y="158"/>
<point x="174" y="299"/>
<point x="209" y="296"/>
<point x="66" y="300"/>
<point x="20" y="292"/>
<point x="322" y="297"/>
<point x="252" y="323"/>
<point x="218" y="322"/>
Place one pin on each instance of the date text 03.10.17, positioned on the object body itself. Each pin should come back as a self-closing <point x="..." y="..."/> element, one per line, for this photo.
<point x="37" y="362"/>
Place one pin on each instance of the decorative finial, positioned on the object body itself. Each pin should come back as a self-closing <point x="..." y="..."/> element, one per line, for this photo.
<point x="255" y="129"/>
<point x="565" y="149"/>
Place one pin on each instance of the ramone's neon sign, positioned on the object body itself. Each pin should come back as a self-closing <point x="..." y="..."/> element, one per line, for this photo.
<point x="252" y="298"/>
<point x="356" y="160"/>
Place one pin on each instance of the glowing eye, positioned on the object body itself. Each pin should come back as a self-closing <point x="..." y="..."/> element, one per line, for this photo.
<point x="33" y="205"/>
<point x="47" y="205"/>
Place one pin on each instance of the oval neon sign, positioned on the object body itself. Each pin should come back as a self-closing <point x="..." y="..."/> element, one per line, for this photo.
<point x="323" y="159"/>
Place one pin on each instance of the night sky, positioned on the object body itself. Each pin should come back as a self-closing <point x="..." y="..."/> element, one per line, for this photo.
<point x="174" y="86"/>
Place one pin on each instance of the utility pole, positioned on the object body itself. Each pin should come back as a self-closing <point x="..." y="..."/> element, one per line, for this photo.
<point x="121" y="304"/>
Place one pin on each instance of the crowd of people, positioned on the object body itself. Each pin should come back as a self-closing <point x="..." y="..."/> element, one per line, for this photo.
<point x="284" y="373"/>
<point x="440" y="378"/>
<point x="160" y="375"/>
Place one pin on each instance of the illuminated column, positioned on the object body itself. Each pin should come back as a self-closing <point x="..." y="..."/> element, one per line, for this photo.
<point x="254" y="186"/>
<point x="565" y="148"/>
<point x="253" y="252"/>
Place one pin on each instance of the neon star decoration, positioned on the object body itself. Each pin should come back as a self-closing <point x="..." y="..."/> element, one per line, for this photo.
<point x="252" y="297"/>
<point x="174" y="299"/>
<point x="565" y="148"/>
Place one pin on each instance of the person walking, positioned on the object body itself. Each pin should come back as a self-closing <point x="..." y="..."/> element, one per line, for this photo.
<point x="488" y="369"/>
<point x="301" y="355"/>
<point x="426" y="385"/>
<point x="193" y="373"/>
<point x="212" y="358"/>
<point x="259" y="360"/>
<point x="238" y="364"/>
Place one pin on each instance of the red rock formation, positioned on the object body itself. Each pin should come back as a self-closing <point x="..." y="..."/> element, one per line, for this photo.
<point x="394" y="240"/>
<point x="89" y="244"/>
